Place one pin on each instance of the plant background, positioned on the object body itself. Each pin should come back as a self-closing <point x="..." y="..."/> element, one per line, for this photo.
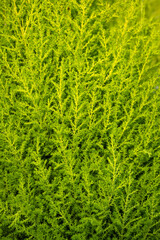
<point x="79" y="119"/>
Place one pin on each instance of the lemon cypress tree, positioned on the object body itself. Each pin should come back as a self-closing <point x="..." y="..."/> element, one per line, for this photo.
<point x="79" y="120"/>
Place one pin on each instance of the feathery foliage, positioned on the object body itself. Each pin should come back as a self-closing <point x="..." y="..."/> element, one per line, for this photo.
<point x="79" y="120"/>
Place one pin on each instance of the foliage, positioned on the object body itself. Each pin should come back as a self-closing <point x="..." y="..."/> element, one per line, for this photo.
<point x="79" y="120"/>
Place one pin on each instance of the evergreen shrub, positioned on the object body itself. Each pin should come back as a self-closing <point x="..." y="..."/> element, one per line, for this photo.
<point x="79" y="120"/>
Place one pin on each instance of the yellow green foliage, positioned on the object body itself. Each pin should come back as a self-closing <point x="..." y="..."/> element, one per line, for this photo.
<point x="79" y="119"/>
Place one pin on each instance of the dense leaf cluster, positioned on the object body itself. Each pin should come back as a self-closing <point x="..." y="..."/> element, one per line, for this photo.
<point x="79" y="120"/>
